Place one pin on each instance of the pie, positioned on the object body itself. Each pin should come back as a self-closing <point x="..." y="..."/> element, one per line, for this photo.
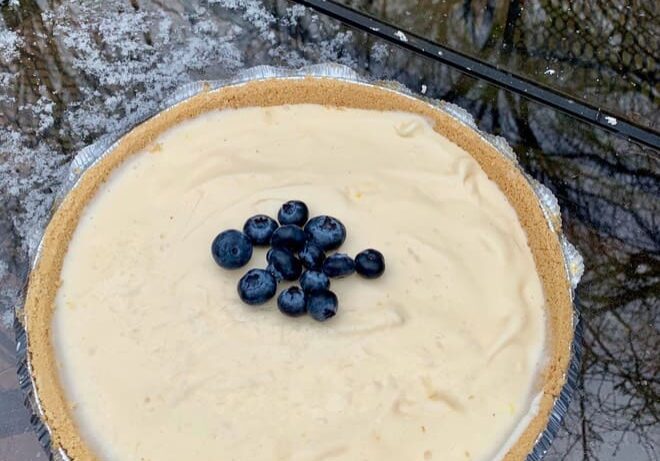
<point x="141" y="349"/>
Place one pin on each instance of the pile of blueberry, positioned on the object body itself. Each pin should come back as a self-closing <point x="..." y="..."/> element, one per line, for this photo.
<point x="298" y="252"/>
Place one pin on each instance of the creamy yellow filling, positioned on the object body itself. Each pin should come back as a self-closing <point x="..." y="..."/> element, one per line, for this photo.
<point x="436" y="360"/>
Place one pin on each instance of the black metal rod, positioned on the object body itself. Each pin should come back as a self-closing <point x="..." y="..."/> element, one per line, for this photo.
<point x="520" y="85"/>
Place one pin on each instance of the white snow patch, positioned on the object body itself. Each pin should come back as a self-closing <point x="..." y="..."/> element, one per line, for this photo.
<point x="379" y="52"/>
<point x="7" y="318"/>
<point x="205" y="27"/>
<point x="252" y="11"/>
<point x="43" y="110"/>
<point x="164" y="28"/>
<point x="10" y="43"/>
<point x="4" y="267"/>
<point x="295" y="12"/>
<point x="401" y="36"/>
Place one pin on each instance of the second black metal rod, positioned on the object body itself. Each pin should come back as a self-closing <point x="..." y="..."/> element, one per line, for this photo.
<point x="504" y="79"/>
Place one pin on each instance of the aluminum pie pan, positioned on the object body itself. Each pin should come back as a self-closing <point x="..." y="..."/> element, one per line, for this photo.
<point x="90" y="155"/>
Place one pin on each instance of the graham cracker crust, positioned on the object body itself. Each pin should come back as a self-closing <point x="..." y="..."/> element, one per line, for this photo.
<point x="44" y="280"/>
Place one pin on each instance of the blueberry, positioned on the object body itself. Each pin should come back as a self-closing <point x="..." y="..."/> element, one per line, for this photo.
<point x="260" y="228"/>
<point x="314" y="280"/>
<point x="293" y="212"/>
<point x="326" y="232"/>
<point x="289" y="236"/>
<point x="282" y="261"/>
<point x="277" y="274"/>
<point x="322" y="304"/>
<point x="311" y="256"/>
<point x="292" y="302"/>
<point x="231" y="249"/>
<point x="370" y="263"/>
<point x="257" y="286"/>
<point x="338" y="265"/>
